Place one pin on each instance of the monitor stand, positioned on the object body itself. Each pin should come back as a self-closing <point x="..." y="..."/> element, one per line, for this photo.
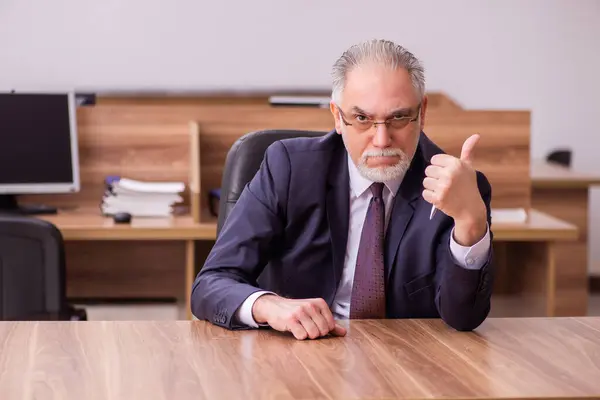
<point x="9" y="205"/>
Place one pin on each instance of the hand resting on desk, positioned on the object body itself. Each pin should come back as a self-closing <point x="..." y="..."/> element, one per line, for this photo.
<point x="304" y="318"/>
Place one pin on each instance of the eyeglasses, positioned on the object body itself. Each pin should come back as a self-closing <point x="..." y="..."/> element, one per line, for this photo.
<point x="362" y="123"/>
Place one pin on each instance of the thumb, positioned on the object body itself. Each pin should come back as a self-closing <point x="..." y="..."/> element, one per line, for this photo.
<point x="466" y="154"/>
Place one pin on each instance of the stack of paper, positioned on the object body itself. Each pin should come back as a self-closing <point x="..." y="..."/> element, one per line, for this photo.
<point x="141" y="199"/>
<point x="509" y="215"/>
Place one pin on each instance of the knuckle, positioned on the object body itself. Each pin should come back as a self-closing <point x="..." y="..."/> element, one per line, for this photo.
<point x="289" y="325"/>
<point x="296" y="314"/>
<point x="320" y="303"/>
<point x="307" y="309"/>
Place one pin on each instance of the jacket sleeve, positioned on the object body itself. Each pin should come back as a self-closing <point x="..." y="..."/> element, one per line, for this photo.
<point x="463" y="296"/>
<point x="245" y="243"/>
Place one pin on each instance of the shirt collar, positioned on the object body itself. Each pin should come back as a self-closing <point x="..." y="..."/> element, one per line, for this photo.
<point x="359" y="184"/>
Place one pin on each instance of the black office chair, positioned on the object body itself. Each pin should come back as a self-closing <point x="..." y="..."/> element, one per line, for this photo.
<point x="560" y="156"/>
<point x="243" y="161"/>
<point x="32" y="271"/>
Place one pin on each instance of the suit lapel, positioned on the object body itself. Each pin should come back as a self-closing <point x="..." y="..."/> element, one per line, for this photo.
<point x="338" y="211"/>
<point x="403" y="209"/>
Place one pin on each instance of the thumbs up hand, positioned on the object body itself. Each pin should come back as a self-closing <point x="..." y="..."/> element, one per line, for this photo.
<point x="450" y="184"/>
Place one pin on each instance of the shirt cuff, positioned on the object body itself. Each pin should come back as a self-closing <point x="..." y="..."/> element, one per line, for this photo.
<point x="244" y="313"/>
<point x="473" y="257"/>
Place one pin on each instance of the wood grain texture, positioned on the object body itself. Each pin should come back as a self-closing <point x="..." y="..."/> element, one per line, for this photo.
<point x="82" y="225"/>
<point x="117" y="269"/>
<point x="569" y="203"/>
<point x="564" y="193"/>
<point x="436" y="100"/>
<point x="529" y="273"/>
<point x="195" y="188"/>
<point x="145" y="138"/>
<point x="505" y="358"/>
<point x="539" y="226"/>
<point x="148" y="138"/>
<point x="503" y="152"/>
<point x="147" y="258"/>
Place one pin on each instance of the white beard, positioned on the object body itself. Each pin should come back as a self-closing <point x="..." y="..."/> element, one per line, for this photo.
<point x="384" y="173"/>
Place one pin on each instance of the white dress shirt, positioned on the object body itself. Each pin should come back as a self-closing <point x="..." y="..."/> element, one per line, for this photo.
<point x="473" y="257"/>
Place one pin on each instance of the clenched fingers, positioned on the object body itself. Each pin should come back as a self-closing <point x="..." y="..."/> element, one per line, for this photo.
<point x="444" y="160"/>
<point x="434" y="171"/>
<point x="309" y="325"/>
<point x="431" y="183"/>
<point x="325" y="312"/>
<point x="297" y="329"/>
<point x="430" y="197"/>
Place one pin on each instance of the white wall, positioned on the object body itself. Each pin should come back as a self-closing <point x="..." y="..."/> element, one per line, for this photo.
<point x="542" y="55"/>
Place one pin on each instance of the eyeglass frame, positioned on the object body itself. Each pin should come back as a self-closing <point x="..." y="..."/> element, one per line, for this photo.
<point x="387" y="122"/>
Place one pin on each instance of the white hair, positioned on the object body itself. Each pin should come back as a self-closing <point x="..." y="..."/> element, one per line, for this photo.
<point x="383" y="52"/>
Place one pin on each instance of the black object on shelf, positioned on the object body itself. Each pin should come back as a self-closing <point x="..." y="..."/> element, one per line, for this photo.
<point x="560" y="156"/>
<point x="85" y="99"/>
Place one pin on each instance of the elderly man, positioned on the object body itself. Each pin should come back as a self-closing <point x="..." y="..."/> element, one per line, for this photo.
<point x="341" y="226"/>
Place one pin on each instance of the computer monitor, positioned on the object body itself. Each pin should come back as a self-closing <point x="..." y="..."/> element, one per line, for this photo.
<point x="38" y="147"/>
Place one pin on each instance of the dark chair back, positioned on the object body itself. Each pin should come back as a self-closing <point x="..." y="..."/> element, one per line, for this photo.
<point x="32" y="270"/>
<point x="243" y="161"/>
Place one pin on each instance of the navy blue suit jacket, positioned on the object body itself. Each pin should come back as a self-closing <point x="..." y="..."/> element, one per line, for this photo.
<point x="288" y="231"/>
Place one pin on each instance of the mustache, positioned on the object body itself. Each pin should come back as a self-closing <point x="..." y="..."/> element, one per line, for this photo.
<point x="383" y="153"/>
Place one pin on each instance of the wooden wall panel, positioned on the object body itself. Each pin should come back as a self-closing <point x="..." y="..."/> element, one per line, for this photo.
<point x="152" y="141"/>
<point x="148" y="139"/>
<point x="502" y="153"/>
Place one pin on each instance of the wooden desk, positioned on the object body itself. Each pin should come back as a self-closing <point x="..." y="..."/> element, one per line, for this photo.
<point x="85" y="225"/>
<point x="504" y="358"/>
<point x="538" y="227"/>
<point x="526" y="249"/>
<point x="93" y="226"/>
<point x="564" y="193"/>
<point x="525" y="260"/>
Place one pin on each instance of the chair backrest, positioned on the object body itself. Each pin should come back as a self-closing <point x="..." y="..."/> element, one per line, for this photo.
<point x="243" y="161"/>
<point x="32" y="268"/>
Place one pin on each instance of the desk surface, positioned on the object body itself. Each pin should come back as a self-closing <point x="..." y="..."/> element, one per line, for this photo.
<point x="504" y="358"/>
<point x="87" y="225"/>
<point x="538" y="227"/>
<point x="546" y="175"/>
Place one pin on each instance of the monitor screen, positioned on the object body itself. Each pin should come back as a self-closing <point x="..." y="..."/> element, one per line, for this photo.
<point x="38" y="143"/>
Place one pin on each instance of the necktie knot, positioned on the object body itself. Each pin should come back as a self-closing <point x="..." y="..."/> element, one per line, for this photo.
<point x="377" y="190"/>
